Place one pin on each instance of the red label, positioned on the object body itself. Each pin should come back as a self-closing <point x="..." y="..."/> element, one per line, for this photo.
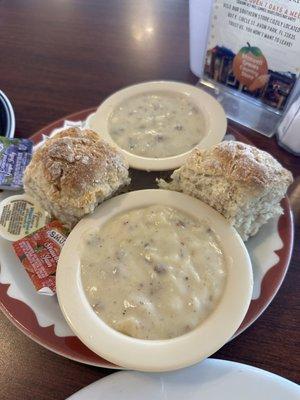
<point x="39" y="253"/>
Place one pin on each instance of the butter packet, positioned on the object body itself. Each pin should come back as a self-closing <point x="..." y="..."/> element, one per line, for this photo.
<point x="19" y="216"/>
<point x="15" y="155"/>
<point x="39" y="253"/>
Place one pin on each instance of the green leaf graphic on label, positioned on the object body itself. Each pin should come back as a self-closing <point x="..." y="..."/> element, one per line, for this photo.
<point x="39" y="248"/>
<point x="249" y="49"/>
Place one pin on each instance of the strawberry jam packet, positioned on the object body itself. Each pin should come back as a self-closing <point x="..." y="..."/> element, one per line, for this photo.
<point x="39" y="253"/>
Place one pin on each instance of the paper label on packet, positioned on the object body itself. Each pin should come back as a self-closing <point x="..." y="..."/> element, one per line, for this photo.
<point x="39" y="253"/>
<point x="15" y="155"/>
<point x="20" y="216"/>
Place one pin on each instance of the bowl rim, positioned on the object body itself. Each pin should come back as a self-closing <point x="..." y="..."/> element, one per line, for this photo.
<point x="10" y="115"/>
<point x="212" y="110"/>
<point x="156" y="355"/>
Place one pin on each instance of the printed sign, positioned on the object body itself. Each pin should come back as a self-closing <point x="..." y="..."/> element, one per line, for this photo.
<point x="254" y="47"/>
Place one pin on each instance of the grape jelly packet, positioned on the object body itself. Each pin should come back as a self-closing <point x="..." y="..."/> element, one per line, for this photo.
<point x="15" y="155"/>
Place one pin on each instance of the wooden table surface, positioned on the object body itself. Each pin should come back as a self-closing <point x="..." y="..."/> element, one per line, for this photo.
<point x="60" y="56"/>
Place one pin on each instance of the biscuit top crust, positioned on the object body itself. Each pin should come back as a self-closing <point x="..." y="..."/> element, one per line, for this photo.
<point x="239" y="162"/>
<point x="76" y="160"/>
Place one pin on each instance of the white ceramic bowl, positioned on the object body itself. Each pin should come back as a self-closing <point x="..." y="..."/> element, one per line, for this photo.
<point x="214" y="119"/>
<point x="156" y="355"/>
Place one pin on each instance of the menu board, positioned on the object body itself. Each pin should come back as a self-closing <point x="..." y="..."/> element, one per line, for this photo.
<point x="254" y="48"/>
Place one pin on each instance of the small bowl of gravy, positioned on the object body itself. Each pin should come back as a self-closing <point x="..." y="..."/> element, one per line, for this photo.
<point x="157" y="124"/>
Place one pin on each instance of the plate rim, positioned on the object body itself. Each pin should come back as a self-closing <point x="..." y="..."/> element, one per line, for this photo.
<point x="285" y="253"/>
<point x="215" y="363"/>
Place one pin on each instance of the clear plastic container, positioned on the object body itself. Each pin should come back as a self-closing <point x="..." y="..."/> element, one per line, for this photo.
<point x="200" y="16"/>
<point x="288" y="133"/>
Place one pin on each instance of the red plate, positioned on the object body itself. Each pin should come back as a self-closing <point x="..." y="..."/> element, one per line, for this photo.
<point x="24" y="318"/>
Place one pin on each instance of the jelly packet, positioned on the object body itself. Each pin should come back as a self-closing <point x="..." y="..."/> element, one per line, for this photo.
<point x="15" y="155"/>
<point x="39" y="253"/>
